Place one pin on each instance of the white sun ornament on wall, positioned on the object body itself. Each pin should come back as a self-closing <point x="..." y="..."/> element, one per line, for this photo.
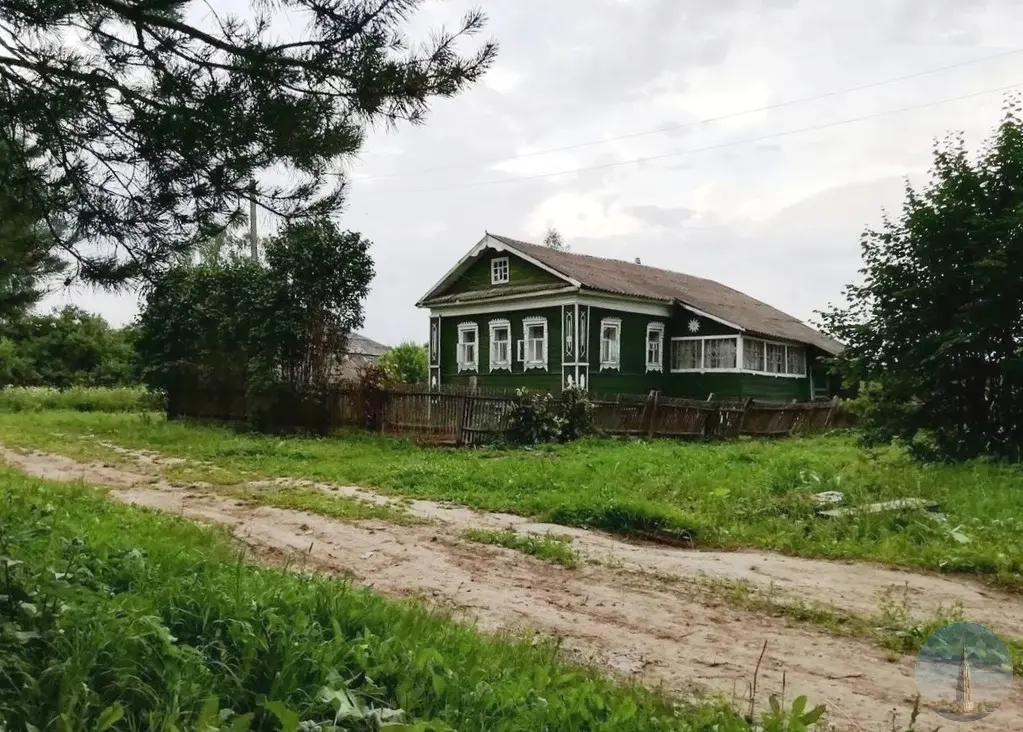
<point x="694" y="325"/>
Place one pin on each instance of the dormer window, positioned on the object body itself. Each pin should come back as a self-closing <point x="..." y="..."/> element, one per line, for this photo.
<point x="499" y="271"/>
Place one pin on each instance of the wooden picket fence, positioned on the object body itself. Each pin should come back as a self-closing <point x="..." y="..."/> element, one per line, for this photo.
<point x="465" y="416"/>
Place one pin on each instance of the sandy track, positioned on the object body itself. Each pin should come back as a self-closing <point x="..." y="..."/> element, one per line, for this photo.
<point x="620" y="617"/>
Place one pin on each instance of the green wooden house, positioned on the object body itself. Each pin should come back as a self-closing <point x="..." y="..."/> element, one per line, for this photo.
<point x="512" y="314"/>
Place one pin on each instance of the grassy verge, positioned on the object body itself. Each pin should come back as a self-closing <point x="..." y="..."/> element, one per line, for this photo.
<point x="728" y="495"/>
<point x="119" y="616"/>
<point x="322" y="504"/>
<point x="550" y="548"/>
<point x="78" y="399"/>
<point x="893" y="627"/>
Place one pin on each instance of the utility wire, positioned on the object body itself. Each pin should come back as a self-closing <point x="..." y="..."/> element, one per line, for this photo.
<point x="708" y="120"/>
<point x="733" y="143"/>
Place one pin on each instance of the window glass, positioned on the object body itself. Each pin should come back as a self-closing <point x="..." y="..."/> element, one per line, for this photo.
<point x="498" y="270"/>
<point x="686" y="355"/>
<point x="796" y="360"/>
<point x="536" y="344"/>
<point x="752" y="354"/>
<point x="610" y="343"/>
<point x="500" y="346"/>
<point x="720" y="353"/>
<point x="468" y="336"/>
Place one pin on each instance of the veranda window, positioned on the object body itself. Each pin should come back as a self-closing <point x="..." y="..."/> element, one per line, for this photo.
<point x="687" y="354"/>
<point x="719" y="353"/>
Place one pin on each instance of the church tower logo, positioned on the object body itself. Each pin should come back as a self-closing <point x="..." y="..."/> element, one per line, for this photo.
<point x="963" y="672"/>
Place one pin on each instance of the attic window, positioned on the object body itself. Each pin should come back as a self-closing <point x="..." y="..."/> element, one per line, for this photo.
<point x="499" y="271"/>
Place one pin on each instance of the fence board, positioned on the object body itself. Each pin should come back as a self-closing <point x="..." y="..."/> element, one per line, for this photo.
<point x="462" y="416"/>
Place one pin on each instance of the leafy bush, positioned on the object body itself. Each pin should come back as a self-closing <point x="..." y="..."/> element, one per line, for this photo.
<point x="538" y="417"/>
<point x="79" y="399"/>
<point x="533" y="419"/>
<point x="67" y="348"/>
<point x="407" y="363"/>
<point x="576" y="413"/>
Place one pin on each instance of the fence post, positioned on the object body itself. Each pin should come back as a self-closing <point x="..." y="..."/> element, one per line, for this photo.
<point x="652" y="418"/>
<point x="831" y="410"/>
<point x="465" y="419"/>
<point x="742" y="417"/>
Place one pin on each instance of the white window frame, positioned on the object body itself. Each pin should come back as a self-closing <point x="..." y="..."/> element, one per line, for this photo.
<point x="495" y="363"/>
<point x="528" y="363"/>
<point x="703" y="355"/>
<point x="762" y="343"/>
<point x="465" y="364"/>
<point x="671" y="355"/>
<point x="657" y="365"/>
<point x="615" y="363"/>
<point x="793" y="373"/>
<point x="499" y="265"/>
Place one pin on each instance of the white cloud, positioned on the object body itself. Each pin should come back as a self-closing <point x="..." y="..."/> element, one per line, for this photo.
<point x="502" y="80"/>
<point x="581" y="215"/>
<point x="758" y="215"/>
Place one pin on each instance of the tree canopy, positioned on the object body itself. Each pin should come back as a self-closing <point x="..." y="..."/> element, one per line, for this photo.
<point x="26" y="256"/>
<point x="161" y="119"/>
<point x="936" y="326"/>
<point x="67" y="348"/>
<point x="238" y="324"/>
<point x="554" y="240"/>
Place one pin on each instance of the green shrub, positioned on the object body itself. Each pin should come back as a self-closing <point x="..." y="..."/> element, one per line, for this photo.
<point x="533" y="419"/>
<point x="79" y="399"/>
<point x="538" y="417"/>
<point x="576" y="413"/>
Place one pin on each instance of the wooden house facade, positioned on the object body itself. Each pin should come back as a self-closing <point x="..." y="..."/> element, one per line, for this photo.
<point x="512" y="314"/>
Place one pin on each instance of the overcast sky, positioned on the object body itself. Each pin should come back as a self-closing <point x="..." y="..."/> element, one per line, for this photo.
<point x="738" y="190"/>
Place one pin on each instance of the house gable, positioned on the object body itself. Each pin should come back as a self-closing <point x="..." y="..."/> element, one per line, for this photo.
<point x="477" y="275"/>
<point x="493" y="246"/>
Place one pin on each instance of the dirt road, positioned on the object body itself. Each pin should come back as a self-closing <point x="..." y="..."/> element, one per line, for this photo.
<point x="635" y="608"/>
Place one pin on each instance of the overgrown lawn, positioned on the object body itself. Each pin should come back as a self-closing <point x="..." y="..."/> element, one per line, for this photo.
<point x="78" y="399"/>
<point x="724" y="495"/>
<point x="113" y="617"/>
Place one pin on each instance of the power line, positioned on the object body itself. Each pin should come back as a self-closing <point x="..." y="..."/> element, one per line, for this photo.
<point x="733" y="143"/>
<point x="708" y="120"/>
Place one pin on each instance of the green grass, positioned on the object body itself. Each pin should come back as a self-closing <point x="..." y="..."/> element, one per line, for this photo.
<point x="321" y="503"/>
<point x="724" y="495"/>
<point x="78" y="399"/>
<point x="114" y="614"/>
<point x="550" y="548"/>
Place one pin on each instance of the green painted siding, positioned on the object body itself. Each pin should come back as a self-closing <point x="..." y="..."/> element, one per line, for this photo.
<point x="700" y="386"/>
<point x="520" y="272"/>
<point x="631" y="377"/>
<point x="775" y="388"/>
<point x="533" y="378"/>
